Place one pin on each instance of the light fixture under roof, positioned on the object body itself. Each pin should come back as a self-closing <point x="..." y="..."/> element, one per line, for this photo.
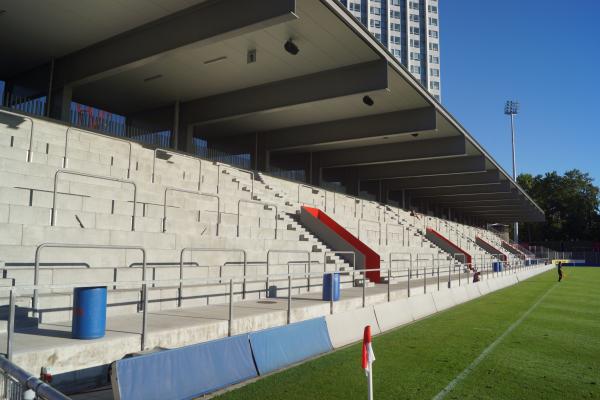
<point x="153" y="78"/>
<point x="2" y="12"/>
<point x="368" y="101"/>
<point x="291" y="47"/>
<point x="215" y="60"/>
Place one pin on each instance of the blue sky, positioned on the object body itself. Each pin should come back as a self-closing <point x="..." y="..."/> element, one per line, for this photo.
<point x="546" y="55"/>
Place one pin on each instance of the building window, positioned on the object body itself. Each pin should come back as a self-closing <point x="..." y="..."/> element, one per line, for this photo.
<point x="433" y="9"/>
<point x="413" y="6"/>
<point x="433" y="21"/>
<point x="395" y="14"/>
<point x="375" y="23"/>
<point x="434" y="72"/>
<point x="415" y="56"/>
<point x="395" y="39"/>
<point x="395" y="27"/>
<point x="434" y="47"/>
<point x="355" y="7"/>
<point x="377" y="36"/>
<point x="415" y="69"/>
<point x="397" y="53"/>
<point x="434" y="60"/>
<point x="415" y="43"/>
<point x="414" y="30"/>
<point x="434" y="85"/>
<point x="375" y="10"/>
<point x="395" y="2"/>
<point x="414" y="17"/>
<point x="433" y="34"/>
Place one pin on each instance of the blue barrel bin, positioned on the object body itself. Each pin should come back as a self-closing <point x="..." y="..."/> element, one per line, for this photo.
<point x="331" y="287"/>
<point x="497" y="266"/>
<point x="89" y="313"/>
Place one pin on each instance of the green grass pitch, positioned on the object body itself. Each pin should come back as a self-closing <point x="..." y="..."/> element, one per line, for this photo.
<point x="553" y="354"/>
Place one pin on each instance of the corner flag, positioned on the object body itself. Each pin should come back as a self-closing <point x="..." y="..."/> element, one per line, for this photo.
<point x="368" y="357"/>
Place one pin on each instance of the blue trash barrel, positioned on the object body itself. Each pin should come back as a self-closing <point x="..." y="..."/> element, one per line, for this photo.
<point x="89" y="313"/>
<point x="272" y="292"/>
<point x="497" y="266"/>
<point x="330" y="288"/>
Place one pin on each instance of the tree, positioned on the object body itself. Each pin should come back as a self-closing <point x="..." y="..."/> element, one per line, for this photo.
<point x="571" y="203"/>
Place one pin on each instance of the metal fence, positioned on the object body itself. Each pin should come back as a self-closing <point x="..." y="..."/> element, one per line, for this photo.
<point x="17" y="384"/>
<point x="90" y="118"/>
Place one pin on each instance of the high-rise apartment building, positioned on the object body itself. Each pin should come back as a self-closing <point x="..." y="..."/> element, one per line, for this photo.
<point x="410" y="29"/>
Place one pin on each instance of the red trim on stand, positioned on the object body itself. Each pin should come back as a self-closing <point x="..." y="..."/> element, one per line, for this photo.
<point x="504" y="256"/>
<point x="372" y="259"/>
<point x="519" y="252"/>
<point x="468" y="257"/>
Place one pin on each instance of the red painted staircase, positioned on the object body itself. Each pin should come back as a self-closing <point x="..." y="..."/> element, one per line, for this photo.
<point x="338" y="238"/>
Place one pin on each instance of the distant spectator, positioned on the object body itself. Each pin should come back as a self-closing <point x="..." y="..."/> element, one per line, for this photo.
<point x="476" y="275"/>
<point x="414" y="214"/>
<point x="560" y="273"/>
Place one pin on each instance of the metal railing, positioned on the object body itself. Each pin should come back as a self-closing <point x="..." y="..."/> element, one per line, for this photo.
<point x="340" y="252"/>
<point x="144" y="282"/>
<point x="251" y="173"/>
<point x="314" y="190"/>
<point x="84" y="174"/>
<point x="372" y="222"/>
<point x="174" y="153"/>
<point x="69" y="128"/>
<point x="264" y="204"/>
<point x="30" y="148"/>
<point x="387" y="233"/>
<point x="287" y="252"/>
<point x="171" y="189"/>
<point x="36" y="277"/>
<point x="205" y="250"/>
<point x="15" y="382"/>
<point x="355" y="201"/>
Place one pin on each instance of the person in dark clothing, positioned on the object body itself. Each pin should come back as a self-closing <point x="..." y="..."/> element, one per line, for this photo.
<point x="560" y="273"/>
<point x="476" y="276"/>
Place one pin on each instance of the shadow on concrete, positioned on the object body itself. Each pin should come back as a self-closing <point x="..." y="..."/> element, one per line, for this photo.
<point x="12" y="121"/>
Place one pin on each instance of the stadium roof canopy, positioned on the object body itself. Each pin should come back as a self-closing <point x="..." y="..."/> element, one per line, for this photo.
<point x="190" y="61"/>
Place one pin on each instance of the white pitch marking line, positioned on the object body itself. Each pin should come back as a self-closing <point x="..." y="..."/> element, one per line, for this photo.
<point x="460" y="377"/>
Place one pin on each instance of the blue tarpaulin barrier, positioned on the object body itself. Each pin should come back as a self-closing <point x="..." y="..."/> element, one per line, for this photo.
<point x="280" y="347"/>
<point x="187" y="372"/>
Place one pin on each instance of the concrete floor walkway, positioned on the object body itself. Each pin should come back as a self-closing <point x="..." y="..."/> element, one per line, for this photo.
<point x="51" y="345"/>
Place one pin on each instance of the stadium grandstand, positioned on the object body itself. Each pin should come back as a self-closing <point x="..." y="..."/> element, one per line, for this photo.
<point x="216" y="165"/>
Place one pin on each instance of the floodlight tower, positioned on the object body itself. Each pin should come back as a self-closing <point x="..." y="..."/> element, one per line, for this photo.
<point x="512" y="108"/>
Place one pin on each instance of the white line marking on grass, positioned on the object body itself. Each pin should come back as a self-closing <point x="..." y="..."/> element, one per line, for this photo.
<point x="460" y="377"/>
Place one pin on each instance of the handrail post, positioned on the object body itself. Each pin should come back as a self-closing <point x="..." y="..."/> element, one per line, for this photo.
<point x="309" y="269"/>
<point x="145" y="302"/>
<point x="331" y="287"/>
<point x="10" y="329"/>
<point x="438" y="276"/>
<point x="180" y="299"/>
<point x="289" y="299"/>
<point x="245" y="255"/>
<point x="408" y="280"/>
<point x="261" y="203"/>
<point x="106" y="178"/>
<point x="230" y="318"/>
<point x="389" y="282"/>
<point x="425" y="280"/>
<point x="364" y="289"/>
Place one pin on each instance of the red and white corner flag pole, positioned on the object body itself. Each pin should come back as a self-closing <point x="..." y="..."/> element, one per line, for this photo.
<point x="368" y="357"/>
